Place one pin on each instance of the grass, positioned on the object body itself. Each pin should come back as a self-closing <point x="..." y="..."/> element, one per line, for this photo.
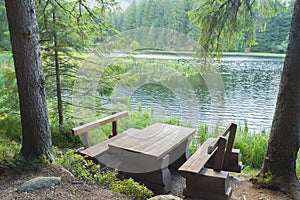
<point x="252" y="146"/>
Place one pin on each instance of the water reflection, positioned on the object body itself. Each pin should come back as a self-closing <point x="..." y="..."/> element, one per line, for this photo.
<point x="251" y="87"/>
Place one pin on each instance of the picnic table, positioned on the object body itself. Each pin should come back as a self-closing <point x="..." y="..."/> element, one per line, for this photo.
<point x="147" y="154"/>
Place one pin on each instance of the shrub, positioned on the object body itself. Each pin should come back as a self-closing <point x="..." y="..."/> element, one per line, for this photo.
<point x="88" y="170"/>
<point x="131" y="188"/>
<point x="9" y="151"/>
<point x="11" y="127"/>
<point x="62" y="136"/>
<point x="78" y="165"/>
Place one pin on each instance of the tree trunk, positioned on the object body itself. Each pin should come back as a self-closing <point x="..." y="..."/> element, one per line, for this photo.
<point x="283" y="144"/>
<point x="57" y="74"/>
<point x="23" y="29"/>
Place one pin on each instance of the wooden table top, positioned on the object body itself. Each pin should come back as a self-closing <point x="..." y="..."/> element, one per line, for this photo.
<point x="156" y="140"/>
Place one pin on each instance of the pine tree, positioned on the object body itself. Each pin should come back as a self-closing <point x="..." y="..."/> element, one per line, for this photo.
<point x="67" y="27"/>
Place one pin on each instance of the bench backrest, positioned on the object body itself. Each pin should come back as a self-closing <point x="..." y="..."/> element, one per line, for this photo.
<point x="216" y="147"/>
<point x="231" y="129"/>
<point x="84" y="128"/>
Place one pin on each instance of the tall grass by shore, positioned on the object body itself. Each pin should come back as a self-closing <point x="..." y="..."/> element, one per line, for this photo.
<point x="252" y="145"/>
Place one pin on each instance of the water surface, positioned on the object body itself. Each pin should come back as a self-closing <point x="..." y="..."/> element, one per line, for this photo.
<point x="250" y="92"/>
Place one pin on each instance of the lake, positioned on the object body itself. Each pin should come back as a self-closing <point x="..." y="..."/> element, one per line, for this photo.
<point x="249" y="95"/>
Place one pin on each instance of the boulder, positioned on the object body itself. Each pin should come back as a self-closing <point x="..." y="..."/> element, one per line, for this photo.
<point x="38" y="183"/>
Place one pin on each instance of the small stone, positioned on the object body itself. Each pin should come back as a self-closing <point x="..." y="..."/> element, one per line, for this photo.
<point x="38" y="183"/>
<point x="165" y="197"/>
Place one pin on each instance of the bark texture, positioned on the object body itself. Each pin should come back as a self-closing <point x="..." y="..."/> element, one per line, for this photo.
<point x="23" y="29"/>
<point x="283" y="144"/>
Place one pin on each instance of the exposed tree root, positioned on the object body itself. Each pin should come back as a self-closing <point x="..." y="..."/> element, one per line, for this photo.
<point x="294" y="189"/>
<point x="289" y="185"/>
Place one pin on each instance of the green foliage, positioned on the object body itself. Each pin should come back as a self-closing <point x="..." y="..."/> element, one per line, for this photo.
<point x="9" y="150"/>
<point x="110" y="77"/>
<point x="11" y="127"/>
<point x="253" y="147"/>
<point x="67" y="27"/>
<point x="10" y="157"/>
<point x="230" y="22"/>
<point x="156" y="13"/>
<point x="78" y="165"/>
<point x="62" y="136"/>
<point x="274" y="36"/>
<point x="172" y="120"/>
<point x="199" y="138"/>
<point x="86" y="169"/>
<point x="139" y="119"/>
<point x="4" y="33"/>
<point x="229" y="25"/>
<point x="9" y="101"/>
<point x="131" y="188"/>
<point x="264" y="180"/>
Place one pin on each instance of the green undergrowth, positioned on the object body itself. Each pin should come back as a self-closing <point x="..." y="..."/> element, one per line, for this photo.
<point x="86" y="169"/>
<point x="62" y="136"/>
<point x="78" y="165"/>
<point x="9" y="150"/>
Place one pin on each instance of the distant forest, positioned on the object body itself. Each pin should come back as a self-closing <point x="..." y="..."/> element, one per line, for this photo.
<point x="173" y="14"/>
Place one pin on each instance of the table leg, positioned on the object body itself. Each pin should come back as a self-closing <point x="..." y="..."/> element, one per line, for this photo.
<point x="158" y="181"/>
<point x="180" y="154"/>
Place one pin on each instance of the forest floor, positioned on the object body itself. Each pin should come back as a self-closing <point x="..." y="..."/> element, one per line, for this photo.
<point x="72" y="188"/>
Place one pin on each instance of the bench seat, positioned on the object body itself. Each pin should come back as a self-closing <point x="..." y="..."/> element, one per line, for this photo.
<point x="197" y="161"/>
<point x="102" y="147"/>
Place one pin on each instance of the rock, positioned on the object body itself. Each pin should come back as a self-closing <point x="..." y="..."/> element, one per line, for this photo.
<point x="38" y="183"/>
<point x="165" y="197"/>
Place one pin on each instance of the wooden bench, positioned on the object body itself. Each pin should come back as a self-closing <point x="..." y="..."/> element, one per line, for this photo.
<point x="94" y="151"/>
<point x="206" y="171"/>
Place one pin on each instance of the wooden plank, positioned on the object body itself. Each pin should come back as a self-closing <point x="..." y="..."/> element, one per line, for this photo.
<point x="100" y="148"/>
<point x="228" y="129"/>
<point x="167" y="144"/>
<point x="230" y="144"/>
<point x="202" y="194"/>
<point x="85" y="138"/>
<point x="197" y="161"/>
<point x="209" y="180"/>
<point x="145" y="134"/>
<point x="95" y="124"/>
<point x="235" y="157"/>
<point x="156" y="141"/>
<point x="220" y="154"/>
